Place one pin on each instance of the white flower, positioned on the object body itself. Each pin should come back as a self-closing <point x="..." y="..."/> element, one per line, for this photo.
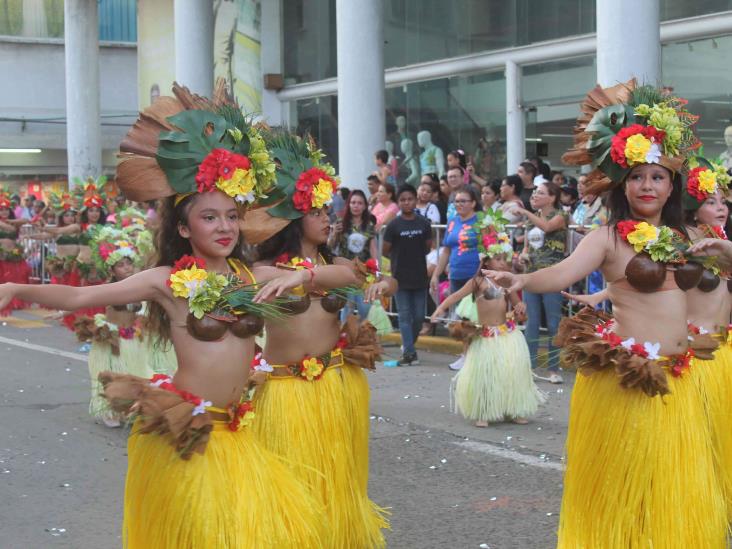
<point x="263" y="366"/>
<point x="652" y="350"/>
<point x="703" y="331"/>
<point x="245" y="198"/>
<point x="628" y="343"/>
<point x="201" y="408"/>
<point x="654" y="154"/>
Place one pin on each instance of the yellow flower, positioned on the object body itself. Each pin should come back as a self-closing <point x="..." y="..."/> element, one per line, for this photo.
<point x="643" y="234"/>
<point x="636" y="149"/>
<point x="311" y="368"/>
<point x="322" y="194"/>
<point x="240" y="186"/>
<point x="184" y="282"/>
<point x="708" y="181"/>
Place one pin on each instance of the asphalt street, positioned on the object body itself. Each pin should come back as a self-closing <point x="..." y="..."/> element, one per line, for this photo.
<point x="447" y="483"/>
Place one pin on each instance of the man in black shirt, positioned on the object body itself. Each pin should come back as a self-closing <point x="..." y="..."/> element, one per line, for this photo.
<point x="407" y="240"/>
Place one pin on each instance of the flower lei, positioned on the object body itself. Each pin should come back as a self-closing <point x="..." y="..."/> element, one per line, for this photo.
<point x="100" y="321"/>
<point x="190" y="280"/>
<point x="112" y="252"/>
<point x="314" y="189"/>
<point x="661" y="243"/>
<point x="165" y="382"/>
<point x="677" y="364"/>
<point x="296" y="263"/>
<point x="495" y="331"/>
<point x="702" y="182"/>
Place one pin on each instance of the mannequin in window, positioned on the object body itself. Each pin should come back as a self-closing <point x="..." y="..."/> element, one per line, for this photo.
<point x="726" y="157"/>
<point x="392" y="161"/>
<point x="409" y="168"/>
<point x="432" y="159"/>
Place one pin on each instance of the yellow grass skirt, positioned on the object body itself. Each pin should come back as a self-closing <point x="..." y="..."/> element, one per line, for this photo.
<point x="715" y="384"/>
<point x="496" y="382"/>
<point x="640" y="470"/>
<point x="321" y="428"/>
<point x="234" y="496"/>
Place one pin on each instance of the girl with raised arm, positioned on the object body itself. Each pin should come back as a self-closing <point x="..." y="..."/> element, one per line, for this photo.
<point x="313" y="410"/>
<point x="196" y="475"/>
<point x="638" y="442"/>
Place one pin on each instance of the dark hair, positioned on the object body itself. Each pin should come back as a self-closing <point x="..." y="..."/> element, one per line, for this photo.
<point x="288" y="241"/>
<point x="344" y="192"/>
<point x="366" y="216"/>
<point x="102" y="216"/>
<point x="495" y="186"/>
<point x="529" y="167"/>
<point x="170" y="246"/>
<point x="470" y="191"/>
<point x="60" y="217"/>
<point x="433" y="178"/>
<point x="405" y="189"/>
<point x="460" y="155"/>
<point x="382" y="155"/>
<point x="671" y="213"/>
<point x="462" y="170"/>
<point x="443" y="177"/>
<point x="389" y="188"/>
<point x="552" y="173"/>
<point x="514" y="181"/>
<point x="554" y="190"/>
<point x="372" y="177"/>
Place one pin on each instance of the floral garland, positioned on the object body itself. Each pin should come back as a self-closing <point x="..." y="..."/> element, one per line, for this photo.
<point x="131" y="332"/>
<point x="373" y="274"/>
<point x="661" y="243"/>
<point x="703" y="182"/>
<point x="314" y="189"/>
<point x="636" y="144"/>
<point x="495" y="331"/>
<point x="677" y="364"/>
<point x="112" y="252"/>
<point x="190" y="280"/>
<point x="294" y="263"/>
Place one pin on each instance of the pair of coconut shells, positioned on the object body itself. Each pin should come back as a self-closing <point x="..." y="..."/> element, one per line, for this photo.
<point x="209" y="328"/>
<point x="331" y="303"/>
<point x="646" y="275"/>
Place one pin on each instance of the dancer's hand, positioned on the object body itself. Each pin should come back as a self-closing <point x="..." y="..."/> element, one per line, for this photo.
<point x="591" y="300"/>
<point x="510" y="281"/>
<point x="281" y="285"/>
<point x="375" y="291"/>
<point x="712" y="247"/>
<point x="6" y="294"/>
<point x="520" y="309"/>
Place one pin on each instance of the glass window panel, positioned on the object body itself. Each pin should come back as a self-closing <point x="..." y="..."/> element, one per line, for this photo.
<point x="319" y="117"/>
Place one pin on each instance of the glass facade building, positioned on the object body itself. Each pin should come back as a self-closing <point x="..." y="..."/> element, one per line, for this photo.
<point x="468" y="111"/>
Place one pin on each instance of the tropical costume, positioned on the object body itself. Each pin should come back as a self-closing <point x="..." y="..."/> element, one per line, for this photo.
<point x="196" y="475"/>
<point x="495" y="381"/>
<point x="13" y="266"/>
<point x="329" y="449"/>
<point x="638" y="445"/>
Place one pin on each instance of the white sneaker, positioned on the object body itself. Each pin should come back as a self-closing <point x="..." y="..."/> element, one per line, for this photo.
<point x="455" y="366"/>
<point x="555" y="378"/>
<point x="111" y="422"/>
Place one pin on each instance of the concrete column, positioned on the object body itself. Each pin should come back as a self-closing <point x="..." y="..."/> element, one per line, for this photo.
<point x="628" y="41"/>
<point x="515" y="131"/>
<point x="83" y="127"/>
<point x="272" y="62"/>
<point x="361" y="110"/>
<point x="194" y="32"/>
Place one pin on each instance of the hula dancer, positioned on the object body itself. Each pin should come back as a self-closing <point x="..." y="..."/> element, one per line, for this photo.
<point x="639" y="444"/>
<point x="495" y="382"/>
<point x="13" y="266"/>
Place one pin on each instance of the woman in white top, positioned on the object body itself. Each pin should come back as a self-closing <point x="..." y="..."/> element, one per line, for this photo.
<point x="425" y="205"/>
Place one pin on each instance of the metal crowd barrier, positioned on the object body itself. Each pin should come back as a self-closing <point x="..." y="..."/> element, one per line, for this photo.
<point x="35" y="252"/>
<point x="572" y="239"/>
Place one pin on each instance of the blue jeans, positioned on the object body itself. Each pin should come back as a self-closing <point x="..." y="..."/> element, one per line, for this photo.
<point x="553" y="309"/>
<point x="411" y="306"/>
<point x="360" y="306"/>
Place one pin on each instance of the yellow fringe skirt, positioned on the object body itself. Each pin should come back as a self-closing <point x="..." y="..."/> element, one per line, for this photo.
<point x="715" y="384"/>
<point x="640" y="470"/>
<point x="321" y="429"/>
<point x="234" y="496"/>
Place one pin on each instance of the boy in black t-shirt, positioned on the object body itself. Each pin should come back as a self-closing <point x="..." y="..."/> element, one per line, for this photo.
<point x="407" y="240"/>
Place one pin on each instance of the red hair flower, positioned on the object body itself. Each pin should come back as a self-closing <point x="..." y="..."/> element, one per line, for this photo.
<point x="625" y="227"/>
<point x="309" y="191"/>
<point x="692" y="184"/>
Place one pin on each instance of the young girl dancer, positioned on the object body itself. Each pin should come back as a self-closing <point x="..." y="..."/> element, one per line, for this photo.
<point x="227" y="491"/>
<point x="13" y="266"/>
<point x="496" y="382"/>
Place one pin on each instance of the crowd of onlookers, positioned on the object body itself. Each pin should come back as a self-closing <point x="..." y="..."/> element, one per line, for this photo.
<point x="539" y="204"/>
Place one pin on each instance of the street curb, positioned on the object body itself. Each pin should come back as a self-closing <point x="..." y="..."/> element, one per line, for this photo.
<point x="436" y="344"/>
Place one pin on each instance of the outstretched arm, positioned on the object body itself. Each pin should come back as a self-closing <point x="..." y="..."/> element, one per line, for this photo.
<point x="323" y="277"/>
<point x="144" y="286"/>
<point x="588" y="257"/>
<point x="452" y="299"/>
<point x="588" y="299"/>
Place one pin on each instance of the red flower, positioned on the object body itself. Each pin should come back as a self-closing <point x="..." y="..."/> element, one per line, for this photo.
<point x="719" y="231"/>
<point x="613" y="339"/>
<point x="208" y="171"/>
<point x="625" y="227"/>
<point x="692" y="184"/>
<point x="654" y="134"/>
<point x="342" y="342"/>
<point x="229" y="162"/>
<point x="283" y="258"/>
<point x="303" y="197"/>
<point x="638" y="349"/>
<point x="186" y="262"/>
<point x="372" y="266"/>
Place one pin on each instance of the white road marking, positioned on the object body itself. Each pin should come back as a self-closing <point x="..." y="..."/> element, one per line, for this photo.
<point x="497" y="451"/>
<point x="44" y="349"/>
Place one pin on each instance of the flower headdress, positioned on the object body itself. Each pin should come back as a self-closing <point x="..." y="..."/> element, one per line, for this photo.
<point x="624" y="126"/>
<point x="492" y="237"/>
<point x="62" y="201"/>
<point x="702" y="181"/>
<point x="186" y="144"/>
<point x="4" y="198"/>
<point x="109" y="245"/>
<point x="90" y="193"/>
<point x="304" y="183"/>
